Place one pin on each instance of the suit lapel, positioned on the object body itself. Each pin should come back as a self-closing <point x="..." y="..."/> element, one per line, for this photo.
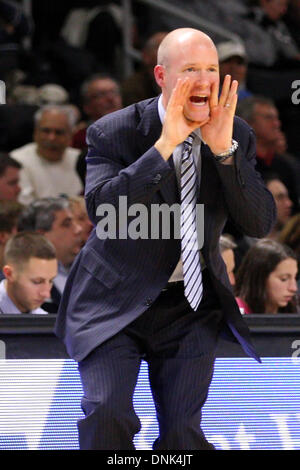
<point x="149" y="131"/>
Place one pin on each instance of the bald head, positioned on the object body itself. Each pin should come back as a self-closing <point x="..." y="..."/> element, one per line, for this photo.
<point x="178" y="39"/>
<point x="189" y="54"/>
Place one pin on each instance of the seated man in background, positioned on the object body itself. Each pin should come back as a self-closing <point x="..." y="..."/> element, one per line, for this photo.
<point x="53" y="218"/>
<point x="233" y="61"/>
<point x="262" y="115"/>
<point x="283" y="203"/>
<point x="9" y="178"/>
<point x="9" y="213"/>
<point x="100" y="95"/>
<point x="30" y="266"/>
<point x="49" y="163"/>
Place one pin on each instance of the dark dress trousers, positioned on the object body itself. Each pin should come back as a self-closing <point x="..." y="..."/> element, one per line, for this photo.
<point x="115" y="309"/>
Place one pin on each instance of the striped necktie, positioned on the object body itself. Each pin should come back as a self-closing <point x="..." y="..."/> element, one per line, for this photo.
<point x="192" y="274"/>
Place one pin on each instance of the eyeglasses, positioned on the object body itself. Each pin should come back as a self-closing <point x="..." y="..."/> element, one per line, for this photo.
<point x="268" y="117"/>
<point x="103" y="94"/>
<point x="49" y="130"/>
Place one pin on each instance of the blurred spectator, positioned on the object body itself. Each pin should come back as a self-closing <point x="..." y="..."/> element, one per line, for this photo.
<point x="227" y="247"/>
<point x="266" y="279"/>
<point x="96" y="30"/>
<point x="78" y="208"/>
<point x="9" y="178"/>
<point x="48" y="163"/>
<point x="266" y="37"/>
<point x="30" y="266"/>
<point x="292" y="20"/>
<point x="100" y="95"/>
<point x="23" y="94"/>
<point x="9" y="213"/>
<point x="52" y="93"/>
<point x="283" y="214"/>
<point x="233" y="61"/>
<point x="283" y="204"/>
<point x="54" y="219"/>
<point x="142" y="85"/>
<point x="262" y="115"/>
<point x="268" y="16"/>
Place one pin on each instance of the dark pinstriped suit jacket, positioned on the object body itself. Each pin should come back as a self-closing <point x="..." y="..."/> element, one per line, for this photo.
<point x="113" y="281"/>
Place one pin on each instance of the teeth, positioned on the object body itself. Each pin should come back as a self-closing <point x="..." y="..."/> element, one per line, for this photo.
<point x="202" y="100"/>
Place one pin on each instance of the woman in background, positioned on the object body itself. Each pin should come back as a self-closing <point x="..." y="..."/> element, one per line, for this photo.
<point x="266" y="280"/>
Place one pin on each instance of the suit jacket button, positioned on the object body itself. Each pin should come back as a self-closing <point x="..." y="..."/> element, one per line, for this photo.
<point x="149" y="302"/>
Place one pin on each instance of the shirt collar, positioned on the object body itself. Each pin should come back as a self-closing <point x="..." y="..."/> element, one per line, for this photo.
<point x="7" y="305"/>
<point x="63" y="269"/>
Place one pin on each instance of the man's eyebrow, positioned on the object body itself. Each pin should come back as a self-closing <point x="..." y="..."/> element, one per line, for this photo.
<point x="66" y="219"/>
<point x="193" y="64"/>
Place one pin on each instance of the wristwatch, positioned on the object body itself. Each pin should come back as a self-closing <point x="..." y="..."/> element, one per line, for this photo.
<point x="228" y="153"/>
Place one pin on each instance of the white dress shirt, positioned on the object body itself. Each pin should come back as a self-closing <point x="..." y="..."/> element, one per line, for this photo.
<point x="41" y="178"/>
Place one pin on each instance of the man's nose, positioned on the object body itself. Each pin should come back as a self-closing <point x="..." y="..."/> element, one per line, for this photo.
<point x="45" y="291"/>
<point x="276" y="123"/>
<point x="202" y="77"/>
<point x="51" y="135"/>
<point x="77" y="228"/>
<point x="288" y="202"/>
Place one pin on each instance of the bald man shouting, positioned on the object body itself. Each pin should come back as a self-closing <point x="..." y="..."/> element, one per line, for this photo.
<point x="142" y="289"/>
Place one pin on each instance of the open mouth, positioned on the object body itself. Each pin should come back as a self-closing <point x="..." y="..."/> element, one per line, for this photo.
<point x="199" y="100"/>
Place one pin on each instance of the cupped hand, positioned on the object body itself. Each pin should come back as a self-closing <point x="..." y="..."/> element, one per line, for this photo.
<point x="176" y="126"/>
<point x="217" y="131"/>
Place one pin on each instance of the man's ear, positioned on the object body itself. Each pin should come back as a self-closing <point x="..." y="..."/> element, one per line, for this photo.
<point x="8" y="271"/>
<point x="159" y="74"/>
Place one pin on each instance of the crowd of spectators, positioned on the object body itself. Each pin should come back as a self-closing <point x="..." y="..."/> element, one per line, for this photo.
<point x="63" y="69"/>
